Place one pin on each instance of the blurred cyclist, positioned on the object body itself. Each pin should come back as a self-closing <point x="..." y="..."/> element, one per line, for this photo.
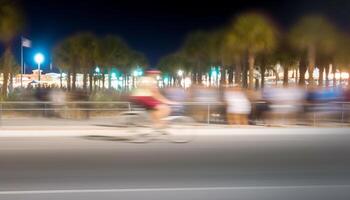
<point x="148" y="95"/>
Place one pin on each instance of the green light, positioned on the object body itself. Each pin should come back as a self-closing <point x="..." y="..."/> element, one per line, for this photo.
<point x="213" y="71"/>
<point x="97" y="70"/>
<point x="138" y="72"/>
<point x="166" y="79"/>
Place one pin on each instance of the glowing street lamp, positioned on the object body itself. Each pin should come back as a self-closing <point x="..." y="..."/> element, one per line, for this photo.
<point x="97" y="70"/>
<point x="180" y="73"/>
<point x="39" y="58"/>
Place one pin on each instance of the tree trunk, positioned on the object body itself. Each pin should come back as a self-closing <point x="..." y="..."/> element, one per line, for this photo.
<point x="327" y="75"/>
<point x="193" y="78"/>
<point x="251" y="61"/>
<point x="223" y="76"/>
<point x="285" y="75"/>
<point x="302" y="71"/>
<point x="238" y="74"/>
<point x="199" y="73"/>
<point x="61" y="84"/>
<point x="311" y="54"/>
<point x="262" y="70"/>
<point x="11" y="82"/>
<point x="91" y="77"/>
<point x="69" y="81"/>
<point x="103" y="79"/>
<point x="230" y="75"/>
<point x="85" y="79"/>
<point x="126" y="83"/>
<point x="245" y="76"/>
<point x="256" y="83"/>
<point x="74" y="79"/>
<point x="6" y="71"/>
<point x="277" y="76"/>
<point x="321" y="69"/>
<point x="334" y="70"/>
<point x="109" y="78"/>
<point x="95" y="85"/>
<point x="5" y="82"/>
<point x="199" y="77"/>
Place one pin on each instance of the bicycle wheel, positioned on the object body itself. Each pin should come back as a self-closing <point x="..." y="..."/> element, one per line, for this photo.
<point x="181" y="129"/>
<point x="136" y="126"/>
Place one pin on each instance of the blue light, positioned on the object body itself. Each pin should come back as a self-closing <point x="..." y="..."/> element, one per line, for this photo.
<point x="39" y="58"/>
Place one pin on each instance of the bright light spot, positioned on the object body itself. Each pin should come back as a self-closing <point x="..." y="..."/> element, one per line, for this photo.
<point x="114" y="75"/>
<point x="187" y="82"/>
<point x="342" y="75"/>
<point x="180" y="73"/>
<point x="166" y="80"/>
<point x="39" y="58"/>
<point x="137" y="72"/>
<point x="97" y="70"/>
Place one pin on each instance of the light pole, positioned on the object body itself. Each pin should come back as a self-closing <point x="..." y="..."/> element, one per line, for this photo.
<point x="39" y="58"/>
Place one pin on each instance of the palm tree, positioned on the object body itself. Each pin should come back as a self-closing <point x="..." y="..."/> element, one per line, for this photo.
<point x="85" y="45"/>
<point x="76" y="54"/>
<point x="132" y="60"/>
<point x="9" y="60"/>
<point x="62" y="57"/>
<point x="253" y="33"/>
<point x="313" y="34"/>
<point x="233" y="54"/>
<point x="111" y="51"/>
<point x="265" y="61"/>
<point x="11" y="23"/>
<point x="341" y="58"/>
<point x="170" y="64"/>
<point x="216" y="53"/>
<point x="83" y="52"/>
<point x="287" y="57"/>
<point x="196" y="50"/>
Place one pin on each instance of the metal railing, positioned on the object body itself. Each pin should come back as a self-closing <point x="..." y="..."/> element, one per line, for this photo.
<point x="213" y="114"/>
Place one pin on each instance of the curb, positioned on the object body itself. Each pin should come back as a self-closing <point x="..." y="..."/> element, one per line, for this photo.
<point x="77" y="131"/>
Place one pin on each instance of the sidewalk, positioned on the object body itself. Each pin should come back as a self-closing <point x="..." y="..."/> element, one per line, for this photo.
<point x="47" y="127"/>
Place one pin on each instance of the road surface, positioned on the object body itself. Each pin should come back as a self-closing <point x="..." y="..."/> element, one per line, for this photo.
<point x="261" y="166"/>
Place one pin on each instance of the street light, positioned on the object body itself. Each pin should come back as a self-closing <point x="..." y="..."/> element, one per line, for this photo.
<point x="180" y="73"/>
<point x="39" y="58"/>
<point x="97" y="70"/>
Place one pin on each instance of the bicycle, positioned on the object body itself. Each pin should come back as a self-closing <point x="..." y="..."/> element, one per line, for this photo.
<point x="138" y="125"/>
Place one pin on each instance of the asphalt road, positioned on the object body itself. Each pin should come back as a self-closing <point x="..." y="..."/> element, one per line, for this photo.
<point x="212" y="167"/>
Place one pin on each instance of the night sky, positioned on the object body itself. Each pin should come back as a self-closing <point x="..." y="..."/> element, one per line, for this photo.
<point x="154" y="28"/>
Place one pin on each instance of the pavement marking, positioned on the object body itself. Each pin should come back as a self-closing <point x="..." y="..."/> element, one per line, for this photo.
<point x="172" y="189"/>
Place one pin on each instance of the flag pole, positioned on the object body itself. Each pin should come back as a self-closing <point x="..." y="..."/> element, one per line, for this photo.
<point x="21" y="61"/>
